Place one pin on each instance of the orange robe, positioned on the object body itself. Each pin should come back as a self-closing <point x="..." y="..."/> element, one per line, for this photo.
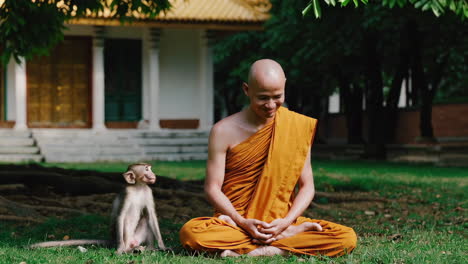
<point x="260" y="177"/>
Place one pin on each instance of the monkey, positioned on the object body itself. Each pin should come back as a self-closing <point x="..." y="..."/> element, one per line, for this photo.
<point x="133" y="218"/>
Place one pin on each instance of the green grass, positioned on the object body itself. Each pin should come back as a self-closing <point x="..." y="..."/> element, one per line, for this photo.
<point x="188" y="170"/>
<point x="384" y="176"/>
<point x="427" y="224"/>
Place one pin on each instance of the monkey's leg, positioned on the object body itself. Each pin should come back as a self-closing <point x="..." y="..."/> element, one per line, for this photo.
<point x="119" y="234"/>
<point x="128" y="224"/>
<point x="130" y="239"/>
<point x="142" y="233"/>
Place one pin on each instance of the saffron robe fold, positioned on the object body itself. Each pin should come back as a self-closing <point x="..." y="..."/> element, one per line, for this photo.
<point x="260" y="176"/>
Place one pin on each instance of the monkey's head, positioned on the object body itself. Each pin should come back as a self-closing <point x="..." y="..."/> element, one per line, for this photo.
<point x="139" y="173"/>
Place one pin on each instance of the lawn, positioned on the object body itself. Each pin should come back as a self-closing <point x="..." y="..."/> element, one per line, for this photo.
<point x="401" y="213"/>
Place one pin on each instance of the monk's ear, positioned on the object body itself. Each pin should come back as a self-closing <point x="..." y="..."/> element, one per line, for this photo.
<point x="245" y="88"/>
<point x="129" y="177"/>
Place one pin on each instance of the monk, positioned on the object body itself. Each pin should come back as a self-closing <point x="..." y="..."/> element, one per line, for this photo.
<point x="256" y="158"/>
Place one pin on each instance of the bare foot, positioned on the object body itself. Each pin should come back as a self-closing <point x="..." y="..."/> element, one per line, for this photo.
<point x="138" y="249"/>
<point x="294" y="230"/>
<point x="134" y="243"/>
<point x="266" y="251"/>
<point x="229" y="253"/>
<point x="227" y="219"/>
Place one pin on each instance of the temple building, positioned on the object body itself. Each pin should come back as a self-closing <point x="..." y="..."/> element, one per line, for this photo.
<point x="110" y="90"/>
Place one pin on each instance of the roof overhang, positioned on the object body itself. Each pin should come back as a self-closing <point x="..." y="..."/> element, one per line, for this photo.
<point x="207" y="14"/>
<point x="210" y="25"/>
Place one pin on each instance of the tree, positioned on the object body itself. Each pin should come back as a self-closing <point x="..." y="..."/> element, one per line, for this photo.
<point x="364" y="53"/>
<point x="426" y="89"/>
<point x="438" y="7"/>
<point x="29" y="28"/>
<point x="235" y="50"/>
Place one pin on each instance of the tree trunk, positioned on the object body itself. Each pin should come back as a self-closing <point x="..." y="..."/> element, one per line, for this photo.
<point x="401" y="72"/>
<point x="374" y="101"/>
<point x="352" y="97"/>
<point x="427" y="131"/>
<point x="421" y="85"/>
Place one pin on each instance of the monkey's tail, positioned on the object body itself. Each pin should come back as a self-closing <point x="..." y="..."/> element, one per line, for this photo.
<point x="73" y="242"/>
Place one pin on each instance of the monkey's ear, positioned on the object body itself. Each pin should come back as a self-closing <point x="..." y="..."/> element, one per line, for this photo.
<point x="129" y="177"/>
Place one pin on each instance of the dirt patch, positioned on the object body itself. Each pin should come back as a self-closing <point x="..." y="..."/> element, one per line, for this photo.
<point x="31" y="193"/>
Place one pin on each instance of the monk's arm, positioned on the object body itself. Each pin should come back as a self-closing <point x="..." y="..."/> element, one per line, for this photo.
<point x="301" y="202"/>
<point x="305" y="194"/>
<point x="215" y="167"/>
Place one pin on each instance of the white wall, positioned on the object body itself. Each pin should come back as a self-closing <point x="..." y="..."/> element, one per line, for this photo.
<point x="10" y="91"/>
<point x="179" y="74"/>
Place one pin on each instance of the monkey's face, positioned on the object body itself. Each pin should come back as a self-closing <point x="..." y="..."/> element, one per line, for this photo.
<point x="148" y="175"/>
<point x="139" y="174"/>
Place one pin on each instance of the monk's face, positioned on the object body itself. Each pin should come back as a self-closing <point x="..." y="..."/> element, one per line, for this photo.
<point x="266" y="96"/>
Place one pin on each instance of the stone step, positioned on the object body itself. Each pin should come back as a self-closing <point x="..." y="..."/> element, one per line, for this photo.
<point x="21" y="158"/>
<point x="456" y="149"/>
<point x="171" y="141"/>
<point x="58" y="157"/>
<point x="413" y="149"/>
<point x="16" y="141"/>
<point x="19" y="150"/>
<point x="120" y="145"/>
<point x="14" y="133"/>
<point x="459" y="160"/>
<point x="173" y="134"/>
<point x="78" y="139"/>
<point x="177" y="157"/>
<point x="84" y="145"/>
<point x="85" y="151"/>
<point x="175" y="149"/>
<point x="46" y="142"/>
<point x="353" y="151"/>
<point x="415" y="158"/>
<point x="453" y="140"/>
<point x="120" y="133"/>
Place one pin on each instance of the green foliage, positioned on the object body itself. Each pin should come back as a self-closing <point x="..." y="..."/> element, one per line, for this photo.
<point x="228" y="80"/>
<point x="31" y="28"/>
<point x="438" y="7"/>
<point x="321" y="55"/>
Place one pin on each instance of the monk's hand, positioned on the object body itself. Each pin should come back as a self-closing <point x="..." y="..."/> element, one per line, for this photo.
<point x="252" y="227"/>
<point x="276" y="227"/>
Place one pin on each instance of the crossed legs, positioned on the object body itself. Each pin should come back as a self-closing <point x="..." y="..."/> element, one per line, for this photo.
<point x="271" y="250"/>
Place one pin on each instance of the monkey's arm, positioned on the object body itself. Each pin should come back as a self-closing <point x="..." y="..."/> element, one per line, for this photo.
<point x="153" y="223"/>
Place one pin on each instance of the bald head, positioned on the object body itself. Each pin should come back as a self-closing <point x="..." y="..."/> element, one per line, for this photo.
<point x="266" y="71"/>
<point x="265" y="89"/>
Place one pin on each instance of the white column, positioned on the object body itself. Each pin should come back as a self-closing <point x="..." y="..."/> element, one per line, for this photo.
<point x="20" y="95"/>
<point x="206" y="80"/>
<point x="145" y="91"/>
<point x="11" y="90"/>
<point x="153" y="79"/>
<point x="98" y="107"/>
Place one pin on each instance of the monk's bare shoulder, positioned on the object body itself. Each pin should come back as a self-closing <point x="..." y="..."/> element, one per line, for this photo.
<point x="226" y="131"/>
